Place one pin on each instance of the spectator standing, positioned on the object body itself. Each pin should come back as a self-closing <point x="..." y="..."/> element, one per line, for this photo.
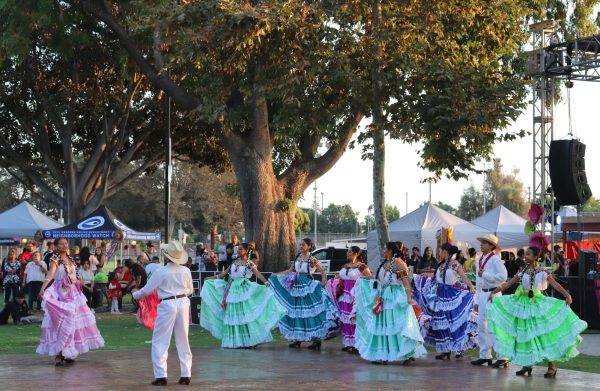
<point x="76" y="255"/>
<point x="35" y="272"/>
<point x="152" y="266"/>
<point x="115" y="293"/>
<point x="560" y="266"/>
<point x="26" y="257"/>
<point x="48" y="253"/>
<point x="470" y="263"/>
<point x="100" y="258"/>
<point x="86" y="276"/>
<point x="12" y="276"/>
<point x="150" y="250"/>
<point x="415" y="258"/>
<point x="253" y="254"/>
<point x="428" y="261"/>
<point x="100" y="287"/>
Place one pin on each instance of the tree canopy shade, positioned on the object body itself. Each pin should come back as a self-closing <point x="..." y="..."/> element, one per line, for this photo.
<point x="75" y="114"/>
<point x="273" y="78"/>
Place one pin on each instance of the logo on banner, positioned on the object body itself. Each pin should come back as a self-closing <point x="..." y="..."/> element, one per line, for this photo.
<point x="91" y="223"/>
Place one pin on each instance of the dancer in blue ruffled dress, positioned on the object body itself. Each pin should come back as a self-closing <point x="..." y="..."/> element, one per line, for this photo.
<point x="453" y="327"/>
<point x="303" y="298"/>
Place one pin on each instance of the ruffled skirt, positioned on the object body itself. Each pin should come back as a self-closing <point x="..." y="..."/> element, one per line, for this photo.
<point x="394" y="334"/>
<point x="69" y="327"/>
<point x="245" y="318"/>
<point x="453" y="326"/>
<point x="306" y="306"/>
<point x="532" y="330"/>
<point x="343" y="306"/>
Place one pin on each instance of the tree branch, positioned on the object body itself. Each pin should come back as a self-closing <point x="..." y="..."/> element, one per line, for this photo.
<point x="187" y="100"/>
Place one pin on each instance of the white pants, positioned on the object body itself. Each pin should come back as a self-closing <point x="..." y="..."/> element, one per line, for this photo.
<point x="484" y="338"/>
<point x="172" y="315"/>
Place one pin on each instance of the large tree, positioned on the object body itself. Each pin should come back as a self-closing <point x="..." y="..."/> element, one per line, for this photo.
<point x="75" y="114"/>
<point x="273" y="78"/>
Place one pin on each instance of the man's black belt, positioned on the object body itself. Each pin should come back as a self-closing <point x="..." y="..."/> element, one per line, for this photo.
<point x="487" y="290"/>
<point x="173" y="297"/>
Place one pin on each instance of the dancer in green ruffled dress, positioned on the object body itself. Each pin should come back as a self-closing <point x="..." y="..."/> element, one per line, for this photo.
<point x="239" y="312"/>
<point x="386" y="325"/>
<point x="530" y="327"/>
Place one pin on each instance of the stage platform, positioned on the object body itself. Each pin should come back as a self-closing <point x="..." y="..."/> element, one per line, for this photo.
<point x="273" y="367"/>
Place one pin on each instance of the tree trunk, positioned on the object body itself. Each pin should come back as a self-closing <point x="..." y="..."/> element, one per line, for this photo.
<point x="266" y="220"/>
<point x="214" y="234"/>
<point x="378" y="134"/>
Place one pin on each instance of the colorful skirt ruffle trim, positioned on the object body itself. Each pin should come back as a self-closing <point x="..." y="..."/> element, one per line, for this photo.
<point x="247" y="316"/>
<point x="533" y="330"/>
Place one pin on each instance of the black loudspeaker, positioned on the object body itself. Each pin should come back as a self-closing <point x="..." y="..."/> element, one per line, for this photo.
<point x="567" y="172"/>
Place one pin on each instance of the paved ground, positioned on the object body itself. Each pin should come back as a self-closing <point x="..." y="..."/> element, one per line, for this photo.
<point x="590" y="344"/>
<point x="273" y="368"/>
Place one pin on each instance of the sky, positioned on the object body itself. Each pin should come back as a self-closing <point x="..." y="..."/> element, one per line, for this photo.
<point x="350" y="180"/>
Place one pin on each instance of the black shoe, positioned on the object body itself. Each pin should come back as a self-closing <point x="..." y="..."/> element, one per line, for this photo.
<point x="316" y="345"/>
<point x="482" y="361"/>
<point x="184" y="381"/>
<point x="443" y="356"/>
<point x="458" y="356"/>
<point x="500" y="364"/>
<point x="69" y="360"/>
<point x="295" y="344"/>
<point x="159" y="381"/>
<point x="523" y="371"/>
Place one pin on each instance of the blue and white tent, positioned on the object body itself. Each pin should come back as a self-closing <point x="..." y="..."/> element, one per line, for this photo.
<point x="24" y="220"/>
<point x="100" y="224"/>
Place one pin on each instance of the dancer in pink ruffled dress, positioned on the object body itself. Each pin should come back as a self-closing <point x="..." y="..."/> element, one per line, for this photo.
<point x="69" y="327"/>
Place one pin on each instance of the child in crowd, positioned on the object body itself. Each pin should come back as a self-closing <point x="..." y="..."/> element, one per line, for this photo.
<point x="114" y="293"/>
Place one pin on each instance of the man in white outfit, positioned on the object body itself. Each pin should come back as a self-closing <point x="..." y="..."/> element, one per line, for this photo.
<point x="491" y="273"/>
<point x="174" y="285"/>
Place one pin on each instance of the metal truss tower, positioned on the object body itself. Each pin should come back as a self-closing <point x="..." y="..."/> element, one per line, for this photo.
<point x="543" y="35"/>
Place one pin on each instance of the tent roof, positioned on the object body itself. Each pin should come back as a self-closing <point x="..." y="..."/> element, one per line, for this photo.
<point x="100" y="224"/>
<point x="501" y="219"/>
<point x="431" y="216"/>
<point x="24" y="220"/>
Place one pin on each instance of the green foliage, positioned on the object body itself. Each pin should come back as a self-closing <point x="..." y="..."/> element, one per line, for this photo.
<point x="392" y="212"/>
<point x="471" y="204"/>
<point x="500" y="189"/>
<point x="592" y="205"/>
<point x="337" y="219"/>
<point x="285" y="205"/>
<point x="301" y="221"/>
<point x="447" y="207"/>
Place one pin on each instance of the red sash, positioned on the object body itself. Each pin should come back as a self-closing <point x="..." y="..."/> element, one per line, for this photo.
<point x="482" y="265"/>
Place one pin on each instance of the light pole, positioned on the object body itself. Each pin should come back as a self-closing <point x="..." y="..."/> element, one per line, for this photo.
<point x="316" y="206"/>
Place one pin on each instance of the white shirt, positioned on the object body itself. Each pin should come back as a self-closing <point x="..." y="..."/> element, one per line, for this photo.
<point x="540" y="281"/>
<point x="87" y="276"/>
<point x="170" y="280"/>
<point x="222" y="250"/>
<point x="494" y="272"/>
<point x="35" y="272"/>
<point x="151" y="268"/>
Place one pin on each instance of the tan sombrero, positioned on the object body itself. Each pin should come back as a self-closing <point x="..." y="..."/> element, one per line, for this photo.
<point x="490" y="238"/>
<point x="175" y="252"/>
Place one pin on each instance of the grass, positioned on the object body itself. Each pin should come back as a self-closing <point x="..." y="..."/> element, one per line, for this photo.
<point x="120" y="332"/>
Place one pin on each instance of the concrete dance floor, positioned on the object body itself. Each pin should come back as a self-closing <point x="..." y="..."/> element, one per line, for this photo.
<point x="273" y="367"/>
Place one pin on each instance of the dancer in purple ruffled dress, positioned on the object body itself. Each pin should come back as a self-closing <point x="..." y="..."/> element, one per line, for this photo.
<point x="69" y="327"/>
<point x="340" y="291"/>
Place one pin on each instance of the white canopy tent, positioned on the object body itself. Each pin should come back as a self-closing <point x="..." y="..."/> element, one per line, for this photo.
<point x="419" y="228"/>
<point x="506" y="225"/>
<point x="24" y="220"/>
